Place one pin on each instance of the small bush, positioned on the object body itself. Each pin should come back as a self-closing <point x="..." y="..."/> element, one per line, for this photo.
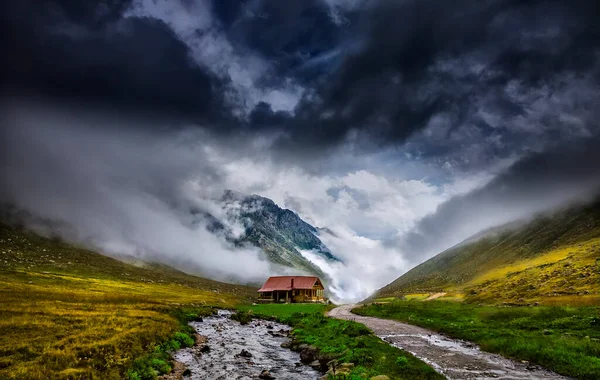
<point x="133" y="375"/>
<point x="361" y="357"/>
<point x="184" y="339"/>
<point x="243" y="317"/>
<point x="356" y="329"/>
<point x="160" y="365"/>
<point x="401" y="361"/>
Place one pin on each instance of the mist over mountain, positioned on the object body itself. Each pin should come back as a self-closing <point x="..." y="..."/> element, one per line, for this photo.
<point x="357" y="139"/>
<point x="280" y="233"/>
<point x="550" y="258"/>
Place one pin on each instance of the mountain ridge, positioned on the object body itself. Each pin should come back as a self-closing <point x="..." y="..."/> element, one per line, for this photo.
<point x="553" y="256"/>
<point x="280" y="233"/>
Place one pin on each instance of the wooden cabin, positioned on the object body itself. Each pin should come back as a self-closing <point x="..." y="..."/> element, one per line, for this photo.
<point x="294" y="289"/>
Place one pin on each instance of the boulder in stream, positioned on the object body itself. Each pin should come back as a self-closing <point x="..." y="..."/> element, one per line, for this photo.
<point x="266" y="375"/>
<point x="245" y="354"/>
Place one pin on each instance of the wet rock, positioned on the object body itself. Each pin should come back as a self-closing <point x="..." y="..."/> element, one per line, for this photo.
<point x="224" y="361"/>
<point x="266" y="375"/>
<point x="346" y="366"/>
<point x="287" y="344"/>
<point x="307" y="353"/>
<point x="245" y="354"/>
<point x="200" y="339"/>
<point x="205" y="348"/>
<point x="270" y="327"/>
<point x="315" y="364"/>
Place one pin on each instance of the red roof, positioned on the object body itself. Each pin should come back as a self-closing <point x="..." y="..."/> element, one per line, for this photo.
<point x="285" y="283"/>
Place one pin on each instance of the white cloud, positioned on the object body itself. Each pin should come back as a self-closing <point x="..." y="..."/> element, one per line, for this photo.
<point x="364" y="211"/>
<point x="195" y="25"/>
<point x="130" y="191"/>
<point x="121" y="189"/>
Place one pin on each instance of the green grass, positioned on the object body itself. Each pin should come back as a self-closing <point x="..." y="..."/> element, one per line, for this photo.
<point x="69" y="313"/>
<point x="283" y="311"/>
<point x="349" y="342"/>
<point x="159" y="361"/>
<point x="563" y="339"/>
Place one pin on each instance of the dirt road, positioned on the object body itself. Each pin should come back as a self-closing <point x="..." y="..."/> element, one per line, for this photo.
<point x="454" y="359"/>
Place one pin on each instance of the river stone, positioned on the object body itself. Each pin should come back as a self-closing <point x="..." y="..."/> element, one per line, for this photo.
<point x="200" y="339"/>
<point x="205" y="348"/>
<point x="245" y="354"/>
<point x="308" y="354"/>
<point x="266" y="375"/>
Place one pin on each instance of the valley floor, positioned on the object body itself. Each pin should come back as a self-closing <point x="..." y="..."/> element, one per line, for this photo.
<point x="563" y="339"/>
<point x="366" y="356"/>
<point x="69" y="313"/>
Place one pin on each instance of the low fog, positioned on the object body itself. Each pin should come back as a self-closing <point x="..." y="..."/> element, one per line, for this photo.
<point x="119" y="188"/>
<point x="132" y="187"/>
<point x="537" y="184"/>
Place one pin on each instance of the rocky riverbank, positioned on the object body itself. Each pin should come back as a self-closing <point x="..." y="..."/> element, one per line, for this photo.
<point x="226" y="349"/>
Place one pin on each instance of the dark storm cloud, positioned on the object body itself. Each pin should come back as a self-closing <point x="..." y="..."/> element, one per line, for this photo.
<point x="536" y="183"/>
<point x="88" y="53"/>
<point x="392" y="69"/>
<point x="424" y="58"/>
<point x="287" y="33"/>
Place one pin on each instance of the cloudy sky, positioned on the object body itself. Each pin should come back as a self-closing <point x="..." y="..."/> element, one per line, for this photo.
<point x="403" y="126"/>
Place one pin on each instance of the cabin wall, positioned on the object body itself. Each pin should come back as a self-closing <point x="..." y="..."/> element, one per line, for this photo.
<point x="316" y="294"/>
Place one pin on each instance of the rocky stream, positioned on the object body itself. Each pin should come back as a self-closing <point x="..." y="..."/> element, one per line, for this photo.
<point x="230" y="350"/>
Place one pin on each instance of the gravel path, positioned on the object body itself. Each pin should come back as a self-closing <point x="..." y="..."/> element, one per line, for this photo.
<point x="454" y="359"/>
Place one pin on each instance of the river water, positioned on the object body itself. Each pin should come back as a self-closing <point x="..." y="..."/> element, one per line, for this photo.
<point x="226" y="340"/>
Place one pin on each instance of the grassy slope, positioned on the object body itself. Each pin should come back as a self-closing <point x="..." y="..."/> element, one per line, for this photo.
<point x="563" y="339"/>
<point x="554" y="259"/>
<point x="67" y="312"/>
<point x="350" y="342"/>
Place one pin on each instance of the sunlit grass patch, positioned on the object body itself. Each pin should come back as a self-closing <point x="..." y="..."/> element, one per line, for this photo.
<point x="416" y="296"/>
<point x="564" y="276"/>
<point x="68" y="313"/>
<point x="385" y="299"/>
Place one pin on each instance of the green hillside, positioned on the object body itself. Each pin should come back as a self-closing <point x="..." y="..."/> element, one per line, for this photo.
<point x="70" y="313"/>
<point x="552" y="259"/>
